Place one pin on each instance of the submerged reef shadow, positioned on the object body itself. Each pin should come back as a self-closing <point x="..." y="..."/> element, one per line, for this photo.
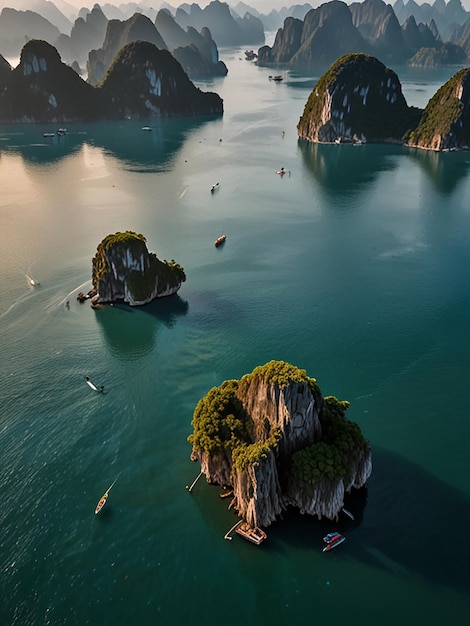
<point x="406" y="522"/>
<point x="131" y="332"/>
<point x="347" y="169"/>
<point x="444" y="170"/>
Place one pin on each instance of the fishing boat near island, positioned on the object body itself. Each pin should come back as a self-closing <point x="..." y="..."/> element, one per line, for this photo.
<point x="104" y="497"/>
<point x="332" y="540"/>
<point x="255" y="535"/>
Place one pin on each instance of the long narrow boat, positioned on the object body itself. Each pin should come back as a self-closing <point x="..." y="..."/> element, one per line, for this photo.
<point x="104" y="497"/>
<point x="93" y="386"/>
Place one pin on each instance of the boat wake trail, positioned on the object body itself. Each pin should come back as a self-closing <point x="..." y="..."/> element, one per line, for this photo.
<point x="183" y="193"/>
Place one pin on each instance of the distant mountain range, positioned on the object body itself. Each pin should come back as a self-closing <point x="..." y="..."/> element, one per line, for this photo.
<point x="307" y="38"/>
<point x="371" y="27"/>
<point x="196" y="52"/>
<point x="75" y="39"/>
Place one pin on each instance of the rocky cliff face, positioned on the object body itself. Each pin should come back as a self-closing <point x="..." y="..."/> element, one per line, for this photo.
<point x="277" y="442"/>
<point x="87" y="33"/>
<point x="5" y="72"/>
<point x="17" y="27"/>
<point x="334" y="29"/>
<point x="287" y="42"/>
<point x="118" y="34"/>
<point x="226" y="29"/>
<point x="196" y="52"/>
<point x="445" y="123"/>
<point x="43" y="89"/>
<point x="357" y="99"/>
<point x="124" y="271"/>
<point x="145" y="82"/>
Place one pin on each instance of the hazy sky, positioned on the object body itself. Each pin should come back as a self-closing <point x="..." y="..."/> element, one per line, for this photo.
<point x="261" y="5"/>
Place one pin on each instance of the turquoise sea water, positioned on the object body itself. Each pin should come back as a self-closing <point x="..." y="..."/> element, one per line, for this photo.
<point x="354" y="266"/>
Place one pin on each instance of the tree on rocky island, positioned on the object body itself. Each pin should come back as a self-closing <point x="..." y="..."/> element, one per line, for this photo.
<point x="277" y="442"/>
<point x="123" y="270"/>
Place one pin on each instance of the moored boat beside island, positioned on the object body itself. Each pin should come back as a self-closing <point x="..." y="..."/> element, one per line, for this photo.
<point x="256" y="535"/>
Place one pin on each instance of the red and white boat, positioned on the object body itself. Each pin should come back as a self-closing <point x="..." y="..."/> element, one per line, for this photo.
<point x="332" y="540"/>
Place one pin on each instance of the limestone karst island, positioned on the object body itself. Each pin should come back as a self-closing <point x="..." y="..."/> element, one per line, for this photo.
<point x="123" y="270"/>
<point x="360" y="100"/>
<point x="273" y="440"/>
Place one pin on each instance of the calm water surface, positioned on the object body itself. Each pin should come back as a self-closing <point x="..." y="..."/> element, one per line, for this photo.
<point x="354" y="266"/>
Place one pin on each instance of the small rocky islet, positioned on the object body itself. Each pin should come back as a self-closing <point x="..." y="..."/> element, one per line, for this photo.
<point x="123" y="270"/>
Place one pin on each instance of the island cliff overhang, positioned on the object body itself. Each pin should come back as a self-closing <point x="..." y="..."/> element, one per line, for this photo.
<point x="123" y="270"/>
<point x="275" y="441"/>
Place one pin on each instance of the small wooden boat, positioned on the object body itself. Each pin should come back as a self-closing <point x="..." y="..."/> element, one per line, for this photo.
<point x="104" y="497"/>
<point x="220" y="240"/>
<point x="255" y="535"/>
<point x="332" y="540"/>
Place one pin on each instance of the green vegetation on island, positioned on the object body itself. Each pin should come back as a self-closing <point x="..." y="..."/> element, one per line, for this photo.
<point x="222" y="426"/>
<point x="446" y="118"/>
<point x="342" y="442"/>
<point x="219" y="421"/>
<point x="278" y="373"/>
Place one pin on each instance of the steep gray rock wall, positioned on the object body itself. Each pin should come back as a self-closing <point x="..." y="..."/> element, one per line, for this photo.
<point x="259" y="499"/>
<point x="293" y="409"/>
